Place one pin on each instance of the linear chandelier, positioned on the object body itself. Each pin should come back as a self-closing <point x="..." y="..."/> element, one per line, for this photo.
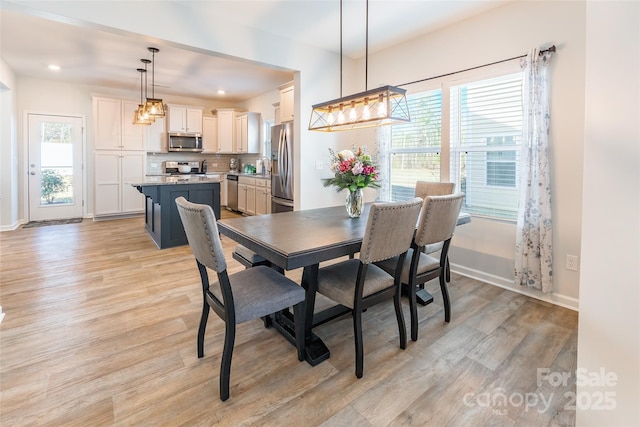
<point x="374" y="107"/>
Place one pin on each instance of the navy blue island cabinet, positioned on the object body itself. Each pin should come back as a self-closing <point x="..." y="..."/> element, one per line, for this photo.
<point x="162" y="220"/>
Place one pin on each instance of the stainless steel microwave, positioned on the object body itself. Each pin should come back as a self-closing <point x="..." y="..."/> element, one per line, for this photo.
<point x="185" y="142"/>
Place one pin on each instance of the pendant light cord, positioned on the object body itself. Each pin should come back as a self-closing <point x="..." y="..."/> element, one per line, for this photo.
<point x="340" y="48"/>
<point x="140" y="70"/>
<point x="366" y="52"/>
<point x="145" y="62"/>
<point x="153" y="74"/>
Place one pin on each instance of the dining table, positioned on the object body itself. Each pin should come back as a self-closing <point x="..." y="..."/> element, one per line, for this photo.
<point x="303" y="239"/>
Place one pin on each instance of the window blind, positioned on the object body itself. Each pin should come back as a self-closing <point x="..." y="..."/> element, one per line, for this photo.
<point x="415" y="146"/>
<point x="486" y="132"/>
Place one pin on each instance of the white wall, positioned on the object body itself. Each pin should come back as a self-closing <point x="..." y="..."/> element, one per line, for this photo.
<point x="174" y="22"/>
<point x="51" y="97"/>
<point x="609" y="325"/>
<point x="503" y="32"/>
<point x="485" y="249"/>
<point x="8" y="149"/>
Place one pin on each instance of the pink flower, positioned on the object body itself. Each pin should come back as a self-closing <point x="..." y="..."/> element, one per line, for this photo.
<point x="369" y="170"/>
<point x="357" y="168"/>
<point x="344" y="166"/>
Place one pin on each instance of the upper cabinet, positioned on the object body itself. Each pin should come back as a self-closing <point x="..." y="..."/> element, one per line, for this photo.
<point x="209" y="134"/>
<point x="226" y="131"/>
<point x="238" y="132"/>
<point x="113" y="126"/>
<point x="157" y="136"/>
<point x="286" y="103"/>
<point x="184" y="119"/>
<point x="247" y="134"/>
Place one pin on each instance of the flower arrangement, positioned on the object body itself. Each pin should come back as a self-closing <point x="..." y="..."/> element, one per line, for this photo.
<point x="351" y="170"/>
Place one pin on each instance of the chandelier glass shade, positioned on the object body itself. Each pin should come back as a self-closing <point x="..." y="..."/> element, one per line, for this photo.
<point x="154" y="106"/>
<point x="139" y="116"/>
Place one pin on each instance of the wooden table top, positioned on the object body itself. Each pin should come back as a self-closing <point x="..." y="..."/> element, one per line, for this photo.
<point x="301" y="238"/>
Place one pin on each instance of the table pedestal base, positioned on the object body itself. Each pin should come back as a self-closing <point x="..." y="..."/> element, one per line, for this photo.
<point x="315" y="351"/>
<point x="423" y="297"/>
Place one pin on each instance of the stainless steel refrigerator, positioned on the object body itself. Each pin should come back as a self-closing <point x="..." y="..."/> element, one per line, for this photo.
<point x="282" y="164"/>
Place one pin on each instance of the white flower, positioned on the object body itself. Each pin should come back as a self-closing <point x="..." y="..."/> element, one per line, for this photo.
<point x="345" y="155"/>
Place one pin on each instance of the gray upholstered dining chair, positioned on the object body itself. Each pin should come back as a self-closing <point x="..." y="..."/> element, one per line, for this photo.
<point x="358" y="283"/>
<point x="425" y="189"/>
<point x="437" y="223"/>
<point x="239" y="297"/>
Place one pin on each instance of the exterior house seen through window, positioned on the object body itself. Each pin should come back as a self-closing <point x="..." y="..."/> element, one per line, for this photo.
<point x="483" y="148"/>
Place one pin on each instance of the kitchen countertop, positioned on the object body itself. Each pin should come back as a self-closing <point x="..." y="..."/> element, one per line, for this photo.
<point x="150" y="180"/>
<point x="251" y="175"/>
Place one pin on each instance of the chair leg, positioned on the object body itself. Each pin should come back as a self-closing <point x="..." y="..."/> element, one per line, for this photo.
<point x="298" y="319"/>
<point x="225" y="364"/>
<point x="413" y="309"/>
<point x="357" y="333"/>
<point x="402" y="329"/>
<point x="445" y="298"/>
<point x="202" y="327"/>
<point x="448" y="270"/>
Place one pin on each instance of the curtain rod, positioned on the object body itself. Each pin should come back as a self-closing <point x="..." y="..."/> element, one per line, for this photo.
<point x="552" y="48"/>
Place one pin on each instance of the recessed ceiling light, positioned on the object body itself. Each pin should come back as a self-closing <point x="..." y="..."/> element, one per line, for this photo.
<point x="221" y="92"/>
<point x="53" y="67"/>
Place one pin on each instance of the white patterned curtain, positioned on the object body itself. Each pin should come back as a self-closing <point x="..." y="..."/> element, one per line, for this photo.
<point x="533" y="266"/>
<point x="383" y="145"/>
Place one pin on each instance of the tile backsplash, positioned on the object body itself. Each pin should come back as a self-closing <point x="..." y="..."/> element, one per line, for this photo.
<point x="215" y="162"/>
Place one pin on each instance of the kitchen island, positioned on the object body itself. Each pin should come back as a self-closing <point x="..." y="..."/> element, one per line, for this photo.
<point x="162" y="220"/>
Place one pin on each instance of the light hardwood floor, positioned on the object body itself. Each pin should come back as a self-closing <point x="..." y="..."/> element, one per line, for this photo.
<point x="100" y="329"/>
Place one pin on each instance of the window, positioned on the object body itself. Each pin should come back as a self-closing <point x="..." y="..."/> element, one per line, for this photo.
<point x="486" y="129"/>
<point x="483" y="148"/>
<point x="415" y="146"/>
<point x="501" y="165"/>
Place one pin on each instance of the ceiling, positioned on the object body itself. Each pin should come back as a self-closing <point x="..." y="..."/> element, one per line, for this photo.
<point x="97" y="57"/>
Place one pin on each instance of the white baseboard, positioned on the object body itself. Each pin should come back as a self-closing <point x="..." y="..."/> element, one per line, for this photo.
<point x="12" y="227"/>
<point x="557" y="299"/>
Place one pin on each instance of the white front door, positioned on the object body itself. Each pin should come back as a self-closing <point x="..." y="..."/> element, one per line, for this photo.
<point x="55" y="167"/>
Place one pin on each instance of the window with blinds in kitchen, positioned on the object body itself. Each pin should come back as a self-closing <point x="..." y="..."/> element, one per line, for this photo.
<point x="483" y="146"/>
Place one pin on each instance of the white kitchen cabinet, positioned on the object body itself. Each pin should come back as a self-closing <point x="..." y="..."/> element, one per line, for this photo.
<point x="263" y="196"/>
<point x="114" y="172"/>
<point x="226" y="130"/>
<point x="156" y="138"/>
<point x="251" y="200"/>
<point x="184" y="119"/>
<point x="247" y="194"/>
<point x="209" y="134"/>
<point x="254" y="195"/>
<point x="113" y="125"/>
<point x="286" y="103"/>
<point x="242" y="197"/>
<point x="247" y="133"/>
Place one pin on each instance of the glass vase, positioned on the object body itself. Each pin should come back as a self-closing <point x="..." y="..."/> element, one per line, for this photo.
<point x="353" y="203"/>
